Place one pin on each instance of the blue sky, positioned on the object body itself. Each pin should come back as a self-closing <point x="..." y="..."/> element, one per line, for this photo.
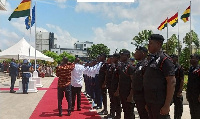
<point x="114" y="24"/>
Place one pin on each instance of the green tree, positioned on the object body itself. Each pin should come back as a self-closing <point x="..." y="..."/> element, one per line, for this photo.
<point x="51" y="54"/>
<point x="184" y="58"/>
<point x="171" y="46"/>
<point x="97" y="49"/>
<point x="70" y="57"/>
<point x="57" y="57"/>
<point x="142" y="38"/>
<point x="194" y="40"/>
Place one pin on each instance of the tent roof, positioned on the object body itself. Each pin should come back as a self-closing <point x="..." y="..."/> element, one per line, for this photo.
<point x="21" y="49"/>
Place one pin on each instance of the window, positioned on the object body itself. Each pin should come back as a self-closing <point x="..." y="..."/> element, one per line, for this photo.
<point x="85" y="49"/>
<point x="84" y="45"/>
<point x="56" y="51"/>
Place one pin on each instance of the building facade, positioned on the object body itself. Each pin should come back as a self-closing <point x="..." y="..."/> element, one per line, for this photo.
<point x="44" y="41"/>
<point x="79" y="50"/>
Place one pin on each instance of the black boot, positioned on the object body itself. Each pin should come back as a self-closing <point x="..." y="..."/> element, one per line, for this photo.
<point x="69" y="113"/>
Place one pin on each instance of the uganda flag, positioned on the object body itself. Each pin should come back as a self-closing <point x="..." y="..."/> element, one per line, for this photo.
<point x="173" y="20"/>
<point x="163" y="25"/>
<point x="22" y="10"/>
<point x="186" y="14"/>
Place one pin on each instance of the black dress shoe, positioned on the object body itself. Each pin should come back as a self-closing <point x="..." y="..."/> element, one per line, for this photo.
<point x="69" y="113"/>
<point x="109" y="116"/>
<point x="103" y="112"/>
<point x="79" y="109"/>
<point x="60" y="114"/>
<point x="12" y="91"/>
<point x="98" y="108"/>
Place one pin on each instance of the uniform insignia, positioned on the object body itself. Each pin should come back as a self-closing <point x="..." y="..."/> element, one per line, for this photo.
<point x="158" y="60"/>
<point x="140" y="68"/>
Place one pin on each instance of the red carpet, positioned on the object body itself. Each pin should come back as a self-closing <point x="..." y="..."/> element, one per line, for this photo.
<point x="18" y="89"/>
<point x="47" y="107"/>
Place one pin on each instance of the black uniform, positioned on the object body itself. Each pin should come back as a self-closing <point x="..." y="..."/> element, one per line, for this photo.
<point x="102" y="74"/>
<point x="155" y="84"/>
<point x="178" y="101"/>
<point x="138" y="90"/>
<point x="193" y="91"/>
<point x="125" y="89"/>
<point x="115" y="100"/>
<point x="109" y="72"/>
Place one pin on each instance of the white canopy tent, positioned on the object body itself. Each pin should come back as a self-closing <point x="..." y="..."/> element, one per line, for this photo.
<point x="21" y="50"/>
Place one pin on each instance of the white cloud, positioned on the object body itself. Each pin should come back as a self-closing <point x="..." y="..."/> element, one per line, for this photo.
<point x="110" y="10"/>
<point x="64" y="39"/>
<point x="147" y="15"/>
<point x="116" y="35"/>
<point x="61" y="3"/>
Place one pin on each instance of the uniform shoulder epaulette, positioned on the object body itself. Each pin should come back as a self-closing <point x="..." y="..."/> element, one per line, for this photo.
<point x="164" y="56"/>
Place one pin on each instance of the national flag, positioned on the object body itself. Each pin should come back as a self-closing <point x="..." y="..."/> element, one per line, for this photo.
<point x="186" y="14"/>
<point x="163" y="25"/>
<point x="22" y="10"/>
<point x="28" y="21"/>
<point x="173" y="20"/>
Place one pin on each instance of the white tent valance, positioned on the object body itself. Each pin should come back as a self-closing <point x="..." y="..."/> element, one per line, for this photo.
<point x="21" y="50"/>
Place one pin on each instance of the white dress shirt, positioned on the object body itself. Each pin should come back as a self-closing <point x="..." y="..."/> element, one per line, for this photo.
<point x="77" y="75"/>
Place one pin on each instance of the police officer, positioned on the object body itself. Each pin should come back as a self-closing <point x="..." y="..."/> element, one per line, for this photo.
<point x="178" y="98"/>
<point x="193" y="87"/>
<point x="13" y="72"/>
<point x="25" y="75"/>
<point x="109" y="71"/>
<point x="124" y="88"/>
<point x="158" y="80"/>
<point x="102" y="73"/>
<point x="115" y="100"/>
<point x="137" y="83"/>
<point x="98" y="95"/>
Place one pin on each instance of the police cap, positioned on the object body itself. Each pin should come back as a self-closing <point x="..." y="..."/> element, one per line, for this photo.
<point x="173" y="56"/>
<point x="156" y="37"/>
<point x="116" y="55"/>
<point x="143" y="49"/>
<point x="25" y="61"/>
<point x="124" y="52"/>
<point x="104" y="55"/>
<point x="109" y="56"/>
<point x="132" y="59"/>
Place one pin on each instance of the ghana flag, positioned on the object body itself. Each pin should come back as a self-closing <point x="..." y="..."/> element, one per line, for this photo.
<point x="186" y="14"/>
<point x="22" y="10"/>
<point x="173" y="20"/>
<point x="163" y="25"/>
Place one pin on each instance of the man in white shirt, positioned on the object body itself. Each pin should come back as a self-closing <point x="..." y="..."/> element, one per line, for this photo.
<point x="77" y="82"/>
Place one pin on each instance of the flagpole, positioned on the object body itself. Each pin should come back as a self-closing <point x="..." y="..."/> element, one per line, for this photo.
<point x="167" y="37"/>
<point x="178" y="41"/>
<point x="30" y="32"/>
<point x="190" y="29"/>
<point x="35" y="35"/>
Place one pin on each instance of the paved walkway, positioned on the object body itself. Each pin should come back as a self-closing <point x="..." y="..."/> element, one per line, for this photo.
<point x="21" y="106"/>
